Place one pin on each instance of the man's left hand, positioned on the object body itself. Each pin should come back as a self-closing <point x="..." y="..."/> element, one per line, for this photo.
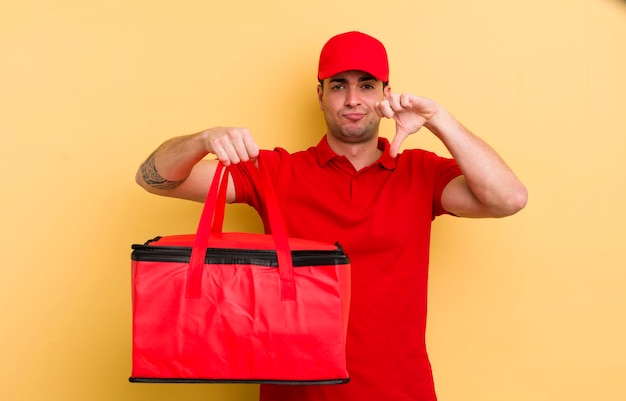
<point x="410" y="113"/>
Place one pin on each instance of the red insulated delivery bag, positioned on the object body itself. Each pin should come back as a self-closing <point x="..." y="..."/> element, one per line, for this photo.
<point x="239" y="307"/>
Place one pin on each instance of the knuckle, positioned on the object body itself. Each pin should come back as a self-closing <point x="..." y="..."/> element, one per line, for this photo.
<point x="234" y="133"/>
<point x="217" y="142"/>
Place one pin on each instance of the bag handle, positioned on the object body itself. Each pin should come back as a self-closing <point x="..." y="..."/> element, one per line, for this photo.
<point x="211" y="222"/>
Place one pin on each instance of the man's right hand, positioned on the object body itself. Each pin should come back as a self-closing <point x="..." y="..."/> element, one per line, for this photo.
<point x="231" y="145"/>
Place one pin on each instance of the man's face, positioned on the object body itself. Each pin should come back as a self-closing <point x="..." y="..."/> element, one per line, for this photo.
<point x="347" y="100"/>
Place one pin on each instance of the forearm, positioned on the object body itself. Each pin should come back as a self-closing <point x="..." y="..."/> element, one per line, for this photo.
<point x="172" y="162"/>
<point x="494" y="185"/>
<point x="177" y="167"/>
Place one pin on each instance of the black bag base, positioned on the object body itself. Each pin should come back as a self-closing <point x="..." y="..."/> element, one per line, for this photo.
<point x="239" y="381"/>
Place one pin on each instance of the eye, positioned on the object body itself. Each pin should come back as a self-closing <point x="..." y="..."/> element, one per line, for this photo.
<point x="368" y="86"/>
<point x="337" y="87"/>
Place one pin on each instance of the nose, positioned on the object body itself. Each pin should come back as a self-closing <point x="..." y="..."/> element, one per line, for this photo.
<point x="352" y="97"/>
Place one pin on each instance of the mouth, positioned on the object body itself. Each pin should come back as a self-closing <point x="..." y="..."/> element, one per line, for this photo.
<point x="353" y="116"/>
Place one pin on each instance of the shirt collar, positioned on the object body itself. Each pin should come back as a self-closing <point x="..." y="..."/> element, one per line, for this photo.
<point x="326" y="154"/>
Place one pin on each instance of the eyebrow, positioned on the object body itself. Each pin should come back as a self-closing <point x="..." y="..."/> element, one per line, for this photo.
<point x="361" y="79"/>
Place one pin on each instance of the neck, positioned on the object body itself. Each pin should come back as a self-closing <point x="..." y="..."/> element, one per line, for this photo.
<point x="360" y="154"/>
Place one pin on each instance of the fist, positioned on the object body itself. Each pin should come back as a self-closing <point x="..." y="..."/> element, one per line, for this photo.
<point x="231" y="145"/>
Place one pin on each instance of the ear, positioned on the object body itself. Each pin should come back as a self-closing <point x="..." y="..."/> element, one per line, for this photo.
<point x="387" y="91"/>
<point x="320" y="94"/>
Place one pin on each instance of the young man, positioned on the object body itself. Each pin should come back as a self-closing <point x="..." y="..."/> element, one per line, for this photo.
<point x="357" y="189"/>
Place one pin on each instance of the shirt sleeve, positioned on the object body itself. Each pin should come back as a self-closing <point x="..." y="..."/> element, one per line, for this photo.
<point x="245" y="178"/>
<point x="446" y="172"/>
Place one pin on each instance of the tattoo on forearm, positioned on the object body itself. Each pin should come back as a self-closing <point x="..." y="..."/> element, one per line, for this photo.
<point x="152" y="177"/>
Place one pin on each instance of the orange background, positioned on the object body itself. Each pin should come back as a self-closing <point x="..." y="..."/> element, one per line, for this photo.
<point x="525" y="308"/>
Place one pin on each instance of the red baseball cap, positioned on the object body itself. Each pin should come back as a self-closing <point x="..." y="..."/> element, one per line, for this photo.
<point x="354" y="51"/>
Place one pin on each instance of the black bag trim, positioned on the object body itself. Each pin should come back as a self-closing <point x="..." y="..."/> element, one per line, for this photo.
<point x="265" y="258"/>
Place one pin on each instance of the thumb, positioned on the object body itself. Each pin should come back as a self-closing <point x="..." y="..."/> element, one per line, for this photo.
<point x="394" y="148"/>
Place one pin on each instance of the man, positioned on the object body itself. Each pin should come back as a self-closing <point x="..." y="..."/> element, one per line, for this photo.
<point x="357" y="189"/>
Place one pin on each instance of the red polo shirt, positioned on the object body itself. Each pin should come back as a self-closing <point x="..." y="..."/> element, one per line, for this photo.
<point x="381" y="215"/>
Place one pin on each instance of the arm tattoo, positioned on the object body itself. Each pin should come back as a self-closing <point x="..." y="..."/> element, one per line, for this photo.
<point x="152" y="177"/>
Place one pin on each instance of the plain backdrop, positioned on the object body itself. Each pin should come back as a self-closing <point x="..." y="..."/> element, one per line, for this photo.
<point x="525" y="308"/>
